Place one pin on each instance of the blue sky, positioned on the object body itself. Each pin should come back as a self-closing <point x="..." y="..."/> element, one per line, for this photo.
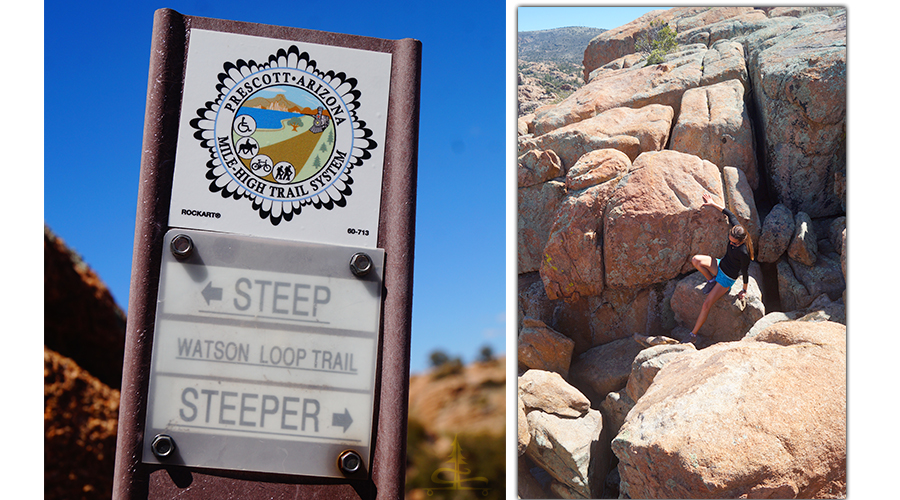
<point x="96" y="71"/>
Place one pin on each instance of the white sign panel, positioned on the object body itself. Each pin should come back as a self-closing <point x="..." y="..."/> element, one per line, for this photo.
<point x="264" y="354"/>
<point x="281" y="139"/>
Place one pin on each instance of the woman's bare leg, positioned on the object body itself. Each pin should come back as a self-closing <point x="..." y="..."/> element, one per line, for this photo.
<point x="711" y="299"/>
<point x="706" y="265"/>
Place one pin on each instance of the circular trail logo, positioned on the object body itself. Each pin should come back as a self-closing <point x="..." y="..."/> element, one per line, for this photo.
<point x="283" y="134"/>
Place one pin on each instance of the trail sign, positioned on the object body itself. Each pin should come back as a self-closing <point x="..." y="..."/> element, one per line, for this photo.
<point x="267" y="345"/>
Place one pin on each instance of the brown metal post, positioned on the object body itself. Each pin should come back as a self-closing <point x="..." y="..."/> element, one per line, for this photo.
<point x="137" y="480"/>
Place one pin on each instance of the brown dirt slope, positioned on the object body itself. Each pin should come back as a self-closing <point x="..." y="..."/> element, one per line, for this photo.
<point x="80" y="417"/>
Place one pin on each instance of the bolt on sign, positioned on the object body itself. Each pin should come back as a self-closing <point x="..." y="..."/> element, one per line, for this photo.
<point x="269" y="323"/>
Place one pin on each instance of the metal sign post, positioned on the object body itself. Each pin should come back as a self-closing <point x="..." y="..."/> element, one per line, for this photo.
<point x="267" y="348"/>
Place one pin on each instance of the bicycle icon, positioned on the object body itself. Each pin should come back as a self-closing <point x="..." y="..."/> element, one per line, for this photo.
<point x="261" y="163"/>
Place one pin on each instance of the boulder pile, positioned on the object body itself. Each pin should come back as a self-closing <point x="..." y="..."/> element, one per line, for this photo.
<point x="764" y="417"/>
<point x="750" y="109"/>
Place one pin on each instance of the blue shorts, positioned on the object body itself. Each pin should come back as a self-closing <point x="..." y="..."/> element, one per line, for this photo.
<point x="722" y="278"/>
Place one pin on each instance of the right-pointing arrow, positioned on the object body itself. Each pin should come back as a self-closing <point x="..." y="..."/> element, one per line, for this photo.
<point x="342" y="419"/>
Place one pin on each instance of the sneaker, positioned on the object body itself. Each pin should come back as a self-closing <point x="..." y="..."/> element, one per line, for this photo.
<point x="688" y="338"/>
<point x="709" y="286"/>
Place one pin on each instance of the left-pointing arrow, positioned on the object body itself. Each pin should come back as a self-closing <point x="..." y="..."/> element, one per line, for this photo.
<point x="211" y="293"/>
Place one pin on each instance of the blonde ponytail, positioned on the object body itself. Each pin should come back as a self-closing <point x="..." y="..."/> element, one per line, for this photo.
<point x="749" y="243"/>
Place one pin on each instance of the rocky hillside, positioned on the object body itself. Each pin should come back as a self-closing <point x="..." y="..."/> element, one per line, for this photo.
<point x="457" y="411"/>
<point x="549" y="64"/>
<point x="84" y="341"/>
<point x="556" y="45"/>
<point x="542" y="83"/>
<point x="80" y="421"/>
<point x="750" y="110"/>
<point x="81" y="318"/>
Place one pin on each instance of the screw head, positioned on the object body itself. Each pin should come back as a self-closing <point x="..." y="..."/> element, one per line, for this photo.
<point x="182" y="246"/>
<point x="162" y="446"/>
<point x="360" y="264"/>
<point x="350" y="462"/>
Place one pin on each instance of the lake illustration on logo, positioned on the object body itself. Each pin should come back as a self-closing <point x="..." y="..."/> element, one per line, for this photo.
<point x="284" y="135"/>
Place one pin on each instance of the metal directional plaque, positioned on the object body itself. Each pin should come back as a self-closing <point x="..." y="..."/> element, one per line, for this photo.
<point x="265" y="353"/>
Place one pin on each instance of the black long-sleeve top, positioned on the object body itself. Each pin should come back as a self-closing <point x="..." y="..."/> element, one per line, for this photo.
<point x="737" y="258"/>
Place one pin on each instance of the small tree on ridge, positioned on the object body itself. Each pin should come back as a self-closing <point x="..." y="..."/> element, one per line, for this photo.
<point x="658" y="41"/>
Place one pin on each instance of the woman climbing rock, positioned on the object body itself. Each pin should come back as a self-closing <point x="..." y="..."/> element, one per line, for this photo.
<point x="721" y="273"/>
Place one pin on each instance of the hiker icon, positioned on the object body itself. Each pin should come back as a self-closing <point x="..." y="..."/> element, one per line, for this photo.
<point x="284" y="172"/>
